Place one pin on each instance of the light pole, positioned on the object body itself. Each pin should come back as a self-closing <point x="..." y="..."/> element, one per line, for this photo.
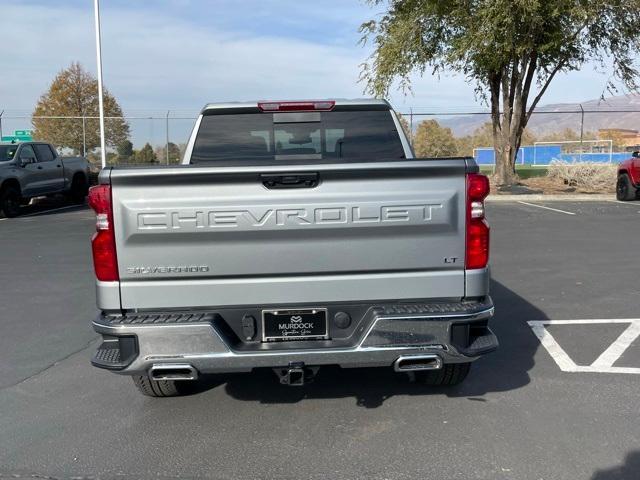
<point x="167" y="132"/>
<point x="96" y="11"/>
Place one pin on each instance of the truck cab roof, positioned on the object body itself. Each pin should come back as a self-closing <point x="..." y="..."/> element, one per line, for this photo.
<point x="369" y="103"/>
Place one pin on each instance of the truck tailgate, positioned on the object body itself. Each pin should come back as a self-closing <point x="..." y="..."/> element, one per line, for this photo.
<point x="219" y="236"/>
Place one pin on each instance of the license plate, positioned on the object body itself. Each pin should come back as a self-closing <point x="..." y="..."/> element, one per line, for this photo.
<point x="302" y="324"/>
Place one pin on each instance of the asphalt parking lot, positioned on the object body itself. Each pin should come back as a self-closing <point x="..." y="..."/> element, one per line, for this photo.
<point x="524" y="413"/>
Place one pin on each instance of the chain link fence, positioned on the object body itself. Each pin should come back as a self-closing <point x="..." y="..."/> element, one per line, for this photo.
<point x="133" y="140"/>
<point x="571" y="133"/>
<point x="601" y="133"/>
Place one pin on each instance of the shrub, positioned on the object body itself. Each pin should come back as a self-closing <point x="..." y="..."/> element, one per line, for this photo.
<point x="588" y="176"/>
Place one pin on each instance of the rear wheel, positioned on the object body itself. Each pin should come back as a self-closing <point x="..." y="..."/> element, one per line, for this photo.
<point x="625" y="190"/>
<point x="157" y="388"/>
<point x="450" y="374"/>
<point x="10" y="200"/>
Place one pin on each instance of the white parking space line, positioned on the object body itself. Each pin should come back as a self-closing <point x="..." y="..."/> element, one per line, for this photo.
<point x="555" y="350"/>
<point x="546" y="208"/>
<point x="628" y="204"/>
<point x="590" y="321"/>
<point x="617" y="348"/>
<point x="1" y="219"/>
<point x="604" y="363"/>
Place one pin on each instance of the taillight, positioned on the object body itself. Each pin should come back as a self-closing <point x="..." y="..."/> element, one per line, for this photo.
<point x="477" y="252"/>
<point x="103" y="242"/>
<point x="310" y="105"/>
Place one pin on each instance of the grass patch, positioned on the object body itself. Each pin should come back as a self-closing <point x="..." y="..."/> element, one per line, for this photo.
<point x="523" y="171"/>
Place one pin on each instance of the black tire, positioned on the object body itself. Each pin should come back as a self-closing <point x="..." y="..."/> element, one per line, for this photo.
<point x="10" y="200"/>
<point x="157" y="388"/>
<point x="625" y="190"/>
<point x="450" y="374"/>
<point x="79" y="189"/>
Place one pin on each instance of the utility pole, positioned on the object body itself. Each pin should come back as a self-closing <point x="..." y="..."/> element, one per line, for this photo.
<point x="581" y="128"/>
<point x="103" y="151"/>
<point x="411" y="126"/>
<point x="167" y="132"/>
<point x="84" y="136"/>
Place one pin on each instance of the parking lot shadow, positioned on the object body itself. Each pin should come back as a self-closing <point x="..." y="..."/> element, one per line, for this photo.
<point x="629" y="470"/>
<point x="504" y="370"/>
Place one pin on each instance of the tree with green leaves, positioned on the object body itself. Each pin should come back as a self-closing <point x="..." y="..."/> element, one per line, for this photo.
<point x="125" y="151"/>
<point x="511" y="51"/>
<point x="433" y="140"/>
<point x="74" y="93"/>
<point x="174" y="153"/>
<point x="406" y="127"/>
<point x="146" y="155"/>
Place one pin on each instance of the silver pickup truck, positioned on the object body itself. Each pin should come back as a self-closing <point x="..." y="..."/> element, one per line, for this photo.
<point x="295" y="235"/>
<point x="34" y="169"/>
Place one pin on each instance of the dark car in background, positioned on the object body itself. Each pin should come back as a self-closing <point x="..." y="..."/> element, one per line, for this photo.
<point x="34" y="169"/>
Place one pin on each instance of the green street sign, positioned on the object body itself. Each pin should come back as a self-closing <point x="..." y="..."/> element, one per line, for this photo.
<point x="17" y="138"/>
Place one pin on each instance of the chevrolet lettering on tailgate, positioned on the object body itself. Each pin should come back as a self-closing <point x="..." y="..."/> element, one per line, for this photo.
<point x="281" y="217"/>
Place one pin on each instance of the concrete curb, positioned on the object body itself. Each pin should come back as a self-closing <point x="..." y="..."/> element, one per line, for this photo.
<point x="596" y="197"/>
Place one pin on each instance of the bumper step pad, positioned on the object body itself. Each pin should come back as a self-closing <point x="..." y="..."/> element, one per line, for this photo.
<point x="116" y="353"/>
<point x="481" y="345"/>
<point x="108" y="354"/>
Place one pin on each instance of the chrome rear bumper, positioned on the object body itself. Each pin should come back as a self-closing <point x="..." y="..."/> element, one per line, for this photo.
<point x="389" y="335"/>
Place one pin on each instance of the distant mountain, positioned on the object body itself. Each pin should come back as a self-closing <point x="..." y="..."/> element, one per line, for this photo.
<point x="614" y="112"/>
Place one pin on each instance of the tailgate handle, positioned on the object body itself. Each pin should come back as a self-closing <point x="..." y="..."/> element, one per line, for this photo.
<point x="290" y="180"/>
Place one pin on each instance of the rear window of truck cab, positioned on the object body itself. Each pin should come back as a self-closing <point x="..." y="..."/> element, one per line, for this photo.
<point x="286" y="136"/>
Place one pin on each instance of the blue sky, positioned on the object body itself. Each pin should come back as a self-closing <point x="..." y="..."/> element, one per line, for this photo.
<point x="181" y="54"/>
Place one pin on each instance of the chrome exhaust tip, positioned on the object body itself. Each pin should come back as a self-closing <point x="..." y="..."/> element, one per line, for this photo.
<point x="173" y="371"/>
<point x="412" y="363"/>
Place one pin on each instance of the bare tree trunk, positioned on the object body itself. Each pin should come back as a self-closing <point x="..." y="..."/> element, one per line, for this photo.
<point x="505" y="161"/>
<point x="511" y="85"/>
<point x="501" y="127"/>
